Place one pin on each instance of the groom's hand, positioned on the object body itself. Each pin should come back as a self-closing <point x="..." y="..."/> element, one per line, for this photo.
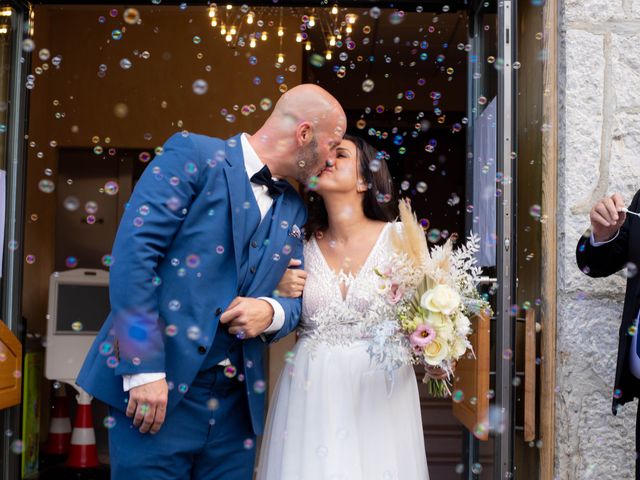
<point x="247" y="317"/>
<point x="148" y="405"/>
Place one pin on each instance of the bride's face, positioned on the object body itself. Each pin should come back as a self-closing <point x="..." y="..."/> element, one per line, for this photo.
<point x="343" y="176"/>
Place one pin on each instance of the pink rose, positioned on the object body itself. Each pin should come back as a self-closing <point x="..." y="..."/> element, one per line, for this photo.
<point x="396" y="292"/>
<point x="421" y="337"/>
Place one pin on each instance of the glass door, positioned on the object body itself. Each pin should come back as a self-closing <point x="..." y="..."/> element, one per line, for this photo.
<point x="15" y="48"/>
<point x="490" y="201"/>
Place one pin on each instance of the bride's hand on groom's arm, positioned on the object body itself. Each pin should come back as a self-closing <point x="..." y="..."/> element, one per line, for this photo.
<point x="292" y="283"/>
<point x="247" y="317"/>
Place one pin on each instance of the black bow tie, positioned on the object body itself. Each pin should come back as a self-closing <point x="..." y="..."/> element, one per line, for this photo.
<point x="263" y="177"/>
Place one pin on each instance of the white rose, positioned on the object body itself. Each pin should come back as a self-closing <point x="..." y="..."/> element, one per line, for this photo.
<point x="441" y="298"/>
<point x="463" y="325"/>
<point x="436" y="320"/>
<point x="460" y="346"/>
<point x="435" y="352"/>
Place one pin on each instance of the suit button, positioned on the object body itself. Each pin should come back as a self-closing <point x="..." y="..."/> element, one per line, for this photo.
<point x="253" y="269"/>
<point x="218" y="311"/>
<point x="254" y="244"/>
<point x="202" y="349"/>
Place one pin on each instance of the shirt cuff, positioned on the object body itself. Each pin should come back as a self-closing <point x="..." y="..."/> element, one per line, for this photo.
<point x="138" y="379"/>
<point x="278" y="315"/>
<point x="593" y="242"/>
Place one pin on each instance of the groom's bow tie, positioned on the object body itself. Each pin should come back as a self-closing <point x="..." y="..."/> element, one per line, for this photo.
<point x="263" y="177"/>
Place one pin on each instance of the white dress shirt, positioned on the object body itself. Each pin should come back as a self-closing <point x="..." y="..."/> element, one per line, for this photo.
<point x="634" y="359"/>
<point x="252" y="165"/>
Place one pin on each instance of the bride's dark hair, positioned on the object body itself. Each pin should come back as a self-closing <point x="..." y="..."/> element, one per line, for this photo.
<point x="379" y="201"/>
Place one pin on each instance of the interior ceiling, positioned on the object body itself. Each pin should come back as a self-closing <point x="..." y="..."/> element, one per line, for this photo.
<point x="390" y="55"/>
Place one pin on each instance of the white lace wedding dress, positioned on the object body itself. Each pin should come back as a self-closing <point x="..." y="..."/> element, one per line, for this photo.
<point x="335" y="414"/>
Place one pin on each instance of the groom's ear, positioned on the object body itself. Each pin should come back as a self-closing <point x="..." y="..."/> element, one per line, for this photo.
<point x="304" y="133"/>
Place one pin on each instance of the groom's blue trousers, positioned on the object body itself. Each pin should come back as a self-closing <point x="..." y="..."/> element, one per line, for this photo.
<point x="208" y="436"/>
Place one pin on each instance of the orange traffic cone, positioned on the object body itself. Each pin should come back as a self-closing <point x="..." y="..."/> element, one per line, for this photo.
<point x="60" y="427"/>
<point x="83" y="452"/>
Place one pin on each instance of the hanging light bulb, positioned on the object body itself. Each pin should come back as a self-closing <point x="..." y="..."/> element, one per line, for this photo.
<point x="349" y="29"/>
<point x="229" y="6"/>
<point x="334" y="9"/>
<point x="250" y="16"/>
<point x="252" y="43"/>
<point x="214" y="22"/>
<point x="229" y="37"/>
<point x="328" y="55"/>
<point x="307" y="46"/>
<point x="298" y="37"/>
<point x="223" y="30"/>
<point x="332" y="41"/>
<point x="351" y="18"/>
<point x="280" y="31"/>
<point x="212" y="12"/>
<point x="312" y="21"/>
<point x="280" y="58"/>
<point x="233" y="30"/>
<point x="263" y="37"/>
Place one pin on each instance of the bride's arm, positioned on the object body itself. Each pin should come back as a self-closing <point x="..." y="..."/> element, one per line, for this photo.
<point x="292" y="282"/>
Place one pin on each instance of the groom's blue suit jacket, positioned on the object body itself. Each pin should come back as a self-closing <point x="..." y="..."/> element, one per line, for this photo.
<point x="186" y="221"/>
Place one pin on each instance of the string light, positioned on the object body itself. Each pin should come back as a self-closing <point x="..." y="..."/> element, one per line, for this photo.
<point x="263" y="37"/>
<point x="252" y="42"/>
<point x="334" y="10"/>
<point x="280" y="58"/>
<point x="332" y="41"/>
<point x="280" y="31"/>
<point x="312" y="21"/>
<point x="250" y="16"/>
<point x="298" y="37"/>
<point x="307" y="46"/>
<point x="328" y="55"/>
<point x="223" y="30"/>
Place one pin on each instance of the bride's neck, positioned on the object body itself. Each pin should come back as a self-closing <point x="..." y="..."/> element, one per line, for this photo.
<point x="345" y="217"/>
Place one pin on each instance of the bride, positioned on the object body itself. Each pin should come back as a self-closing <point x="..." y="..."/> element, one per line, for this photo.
<point x="334" y="413"/>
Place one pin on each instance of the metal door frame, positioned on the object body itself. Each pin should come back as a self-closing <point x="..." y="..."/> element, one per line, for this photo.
<point x="14" y="216"/>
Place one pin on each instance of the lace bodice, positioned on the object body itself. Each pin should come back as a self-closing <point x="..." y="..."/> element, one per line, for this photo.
<point x="330" y="319"/>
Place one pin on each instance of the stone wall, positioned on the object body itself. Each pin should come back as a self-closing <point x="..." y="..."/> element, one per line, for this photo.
<point x="599" y="155"/>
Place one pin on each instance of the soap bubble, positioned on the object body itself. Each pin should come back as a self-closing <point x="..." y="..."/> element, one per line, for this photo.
<point x="200" y="87"/>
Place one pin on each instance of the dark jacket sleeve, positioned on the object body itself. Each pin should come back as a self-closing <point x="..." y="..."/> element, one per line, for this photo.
<point x="606" y="259"/>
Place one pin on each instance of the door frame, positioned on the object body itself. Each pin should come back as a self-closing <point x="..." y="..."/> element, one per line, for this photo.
<point x="16" y="149"/>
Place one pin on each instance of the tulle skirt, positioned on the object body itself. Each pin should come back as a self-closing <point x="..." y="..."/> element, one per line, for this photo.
<point x="334" y="415"/>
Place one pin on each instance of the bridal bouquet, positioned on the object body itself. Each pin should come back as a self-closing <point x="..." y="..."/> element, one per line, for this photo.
<point x="434" y="293"/>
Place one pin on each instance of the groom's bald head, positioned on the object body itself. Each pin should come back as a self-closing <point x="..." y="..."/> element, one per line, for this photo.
<point x="313" y="104"/>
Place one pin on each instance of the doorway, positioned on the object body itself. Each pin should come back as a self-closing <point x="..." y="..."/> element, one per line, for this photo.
<point x="422" y="81"/>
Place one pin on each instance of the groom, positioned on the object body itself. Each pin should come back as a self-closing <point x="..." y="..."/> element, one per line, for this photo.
<point x="202" y="245"/>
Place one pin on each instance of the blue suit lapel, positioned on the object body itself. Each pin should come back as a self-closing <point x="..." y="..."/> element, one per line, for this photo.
<point x="236" y="176"/>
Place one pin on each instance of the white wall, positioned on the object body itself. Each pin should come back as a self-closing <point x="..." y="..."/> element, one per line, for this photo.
<point x="599" y="154"/>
